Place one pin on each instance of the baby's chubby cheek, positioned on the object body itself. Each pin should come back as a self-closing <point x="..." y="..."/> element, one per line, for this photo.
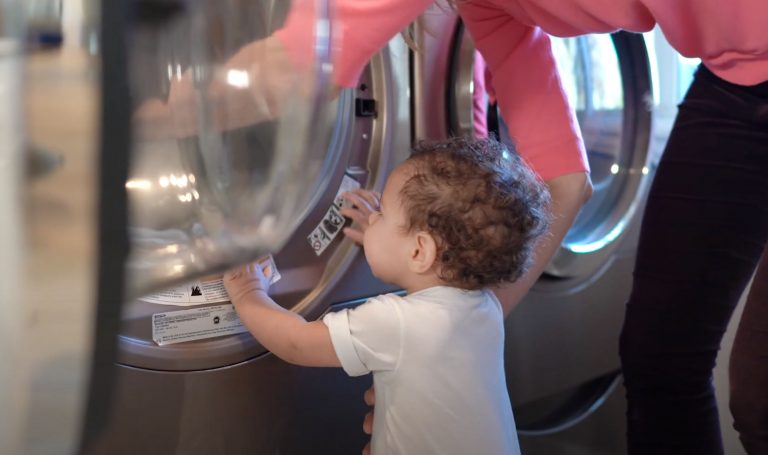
<point x="370" y="251"/>
<point x="367" y="239"/>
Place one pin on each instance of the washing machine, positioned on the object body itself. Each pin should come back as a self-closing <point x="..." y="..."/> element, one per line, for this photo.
<point x="561" y="352"/>
<point x="226" y="394"/>
<point x="198" y="203"/>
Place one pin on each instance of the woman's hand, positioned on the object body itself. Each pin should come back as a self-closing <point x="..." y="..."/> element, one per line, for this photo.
<point x="364" y="203"/>
<point x="370" y="399"/>
<point x="245" y="280"/>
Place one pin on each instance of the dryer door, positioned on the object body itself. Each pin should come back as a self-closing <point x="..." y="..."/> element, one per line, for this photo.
<point x="238" y="187"/>
<point x="607" y="80"/>
<point x="229" y="143"/>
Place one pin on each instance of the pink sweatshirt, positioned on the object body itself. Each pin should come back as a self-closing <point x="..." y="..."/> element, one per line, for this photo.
<point x="731" y="38"/>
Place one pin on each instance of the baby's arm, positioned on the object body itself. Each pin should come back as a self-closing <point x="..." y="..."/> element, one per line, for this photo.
<point x="285" y="333"/>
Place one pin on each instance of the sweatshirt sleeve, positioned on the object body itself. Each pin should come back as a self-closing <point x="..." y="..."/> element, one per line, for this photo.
<point x="359" y="28"/>
<point x="531" y="97"/>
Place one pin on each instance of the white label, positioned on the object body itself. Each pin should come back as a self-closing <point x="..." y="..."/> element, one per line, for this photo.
<point x="207" y="290"/>
<point x="195" y="324"/>
<point x="332" y="223"/>
<point x="210" y="290"/>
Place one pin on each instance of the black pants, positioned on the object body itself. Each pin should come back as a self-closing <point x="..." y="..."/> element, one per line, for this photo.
<point x="703" y="233"/>
<point x="749" y="367"/>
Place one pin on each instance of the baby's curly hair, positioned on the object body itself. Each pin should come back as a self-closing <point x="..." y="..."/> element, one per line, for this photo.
<point x="482" y="204"/>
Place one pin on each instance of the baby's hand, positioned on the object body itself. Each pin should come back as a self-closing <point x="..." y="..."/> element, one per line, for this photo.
<point x="365" y="202"/>
<point x="245" y="280"/>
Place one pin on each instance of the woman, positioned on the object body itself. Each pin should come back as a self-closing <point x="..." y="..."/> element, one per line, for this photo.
<point x="706" y="222"/>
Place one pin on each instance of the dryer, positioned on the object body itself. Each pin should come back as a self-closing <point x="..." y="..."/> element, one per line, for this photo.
<point x="227" y="394"/>
<point x="561" y="351"/>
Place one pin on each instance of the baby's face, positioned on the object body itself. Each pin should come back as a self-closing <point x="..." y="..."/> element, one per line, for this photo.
<point x="386" y="240"/>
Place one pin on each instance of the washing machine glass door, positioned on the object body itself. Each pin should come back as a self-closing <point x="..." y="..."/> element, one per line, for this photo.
<point x="203" y="199"/>
<point x="225" y="154"/>
<point x="591" y="69"/>
<point x="607" y="81"/>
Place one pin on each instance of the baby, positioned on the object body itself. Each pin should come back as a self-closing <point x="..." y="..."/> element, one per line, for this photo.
<point x="456" y="218"/>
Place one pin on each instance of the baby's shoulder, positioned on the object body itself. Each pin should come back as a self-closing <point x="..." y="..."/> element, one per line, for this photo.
<point x="384" y="304"/>
<point x="390" y="299"/>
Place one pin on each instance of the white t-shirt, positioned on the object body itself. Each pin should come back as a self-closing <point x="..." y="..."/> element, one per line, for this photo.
<point x="437" y="358"/>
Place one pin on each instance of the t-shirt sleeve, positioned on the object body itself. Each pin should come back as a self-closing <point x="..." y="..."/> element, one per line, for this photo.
<point x="367" y="338"/>
<point x="528" y="89"/>
<point x="360" y="28"/>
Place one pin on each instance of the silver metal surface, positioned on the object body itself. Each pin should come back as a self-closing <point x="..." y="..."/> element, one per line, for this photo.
<point x="242" y="409"/>
<point x="461" y="104"/>
<point x="433" y="35"/>
<point x="597" y="391"/>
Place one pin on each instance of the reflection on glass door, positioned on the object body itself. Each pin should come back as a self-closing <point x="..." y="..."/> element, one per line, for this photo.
<point x="591" y="75"/>
<point x="227" y="129"/>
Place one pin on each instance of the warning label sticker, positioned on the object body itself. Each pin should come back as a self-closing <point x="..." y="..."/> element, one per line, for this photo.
<point x="333" y="222"/>
<point x="195" y="324"/>
<point x="207" y="290"/>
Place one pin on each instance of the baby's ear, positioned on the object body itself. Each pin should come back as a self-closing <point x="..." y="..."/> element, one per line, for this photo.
<point x="424" y="253"/>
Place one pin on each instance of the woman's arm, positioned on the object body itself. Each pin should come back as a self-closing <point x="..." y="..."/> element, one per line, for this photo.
<point x="531" y="97"/>
<point x="541" y="122"/>
<point x="569" y="192"/>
